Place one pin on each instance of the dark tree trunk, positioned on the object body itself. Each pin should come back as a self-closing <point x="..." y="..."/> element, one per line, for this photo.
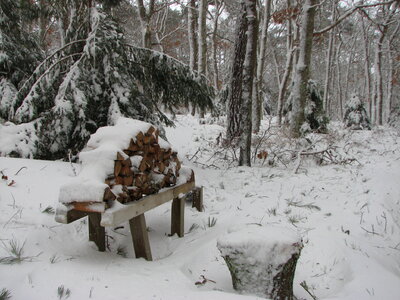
<point x="235" y="85"/>
<point x="302" y="74"/>
<point x="248" y="78"/>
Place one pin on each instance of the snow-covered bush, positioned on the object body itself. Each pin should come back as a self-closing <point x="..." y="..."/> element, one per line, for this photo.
<point x="355" y="116"/>
<point x="394" y="118"/>
<point x="315" y="116"/>
<point x="19" y="53"/>
<point x="92" y="81"/>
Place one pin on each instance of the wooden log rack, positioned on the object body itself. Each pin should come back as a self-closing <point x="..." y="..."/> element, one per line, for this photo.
<point x="100" y="217"/>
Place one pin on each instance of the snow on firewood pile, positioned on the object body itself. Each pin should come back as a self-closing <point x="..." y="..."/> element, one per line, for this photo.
<point x="125" y="162"/>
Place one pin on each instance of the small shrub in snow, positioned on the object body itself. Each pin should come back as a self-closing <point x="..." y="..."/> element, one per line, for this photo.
<point x="63" y="293"/>
<point x="5" y="294"/>
<point x="355" y="116"/>
<point x="16" y="252"/>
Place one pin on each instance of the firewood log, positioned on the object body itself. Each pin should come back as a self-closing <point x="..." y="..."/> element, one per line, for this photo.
<point x="119" y="180"/>
<point x="108" y="195"/>
<point x="139" y="139"/>
<point x="120" y="156"/>
<point x="117" y="167"/>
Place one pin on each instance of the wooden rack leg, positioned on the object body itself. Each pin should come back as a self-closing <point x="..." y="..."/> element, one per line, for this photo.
<point x="97" y="233"/>
<point x="140" y="237"/>
<point x="178" y="217"/>
<point x="198" y="198"/>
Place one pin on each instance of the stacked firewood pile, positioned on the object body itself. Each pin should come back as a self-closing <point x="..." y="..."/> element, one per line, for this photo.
<point x="143" y="169"/>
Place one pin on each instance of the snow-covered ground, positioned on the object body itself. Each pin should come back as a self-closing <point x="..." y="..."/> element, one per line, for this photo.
<point x="348" y="216"/>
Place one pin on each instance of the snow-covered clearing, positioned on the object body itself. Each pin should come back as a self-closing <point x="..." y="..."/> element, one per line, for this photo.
<point x="348" y="216"/>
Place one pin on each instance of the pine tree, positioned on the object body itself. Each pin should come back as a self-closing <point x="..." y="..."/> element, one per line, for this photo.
<point x="19" y="51"/>
<point x="94" y="79"/>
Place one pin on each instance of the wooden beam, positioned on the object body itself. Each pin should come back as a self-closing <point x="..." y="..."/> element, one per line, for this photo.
<point x="178" y="217"/>
<point x="198" y="198"/>
<point x="125" y="212"/>
<point x="97" y="233"/>
<point x="140" y="237"/>
<point x="94" y="207"/>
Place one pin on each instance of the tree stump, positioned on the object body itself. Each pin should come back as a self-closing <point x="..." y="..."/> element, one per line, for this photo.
<point x="262" y="260"/>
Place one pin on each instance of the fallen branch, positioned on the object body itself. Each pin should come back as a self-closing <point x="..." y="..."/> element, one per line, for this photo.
<point x="20" y="170"/>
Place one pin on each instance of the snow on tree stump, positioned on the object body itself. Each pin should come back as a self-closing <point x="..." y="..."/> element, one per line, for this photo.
<point x="262" y="260"/>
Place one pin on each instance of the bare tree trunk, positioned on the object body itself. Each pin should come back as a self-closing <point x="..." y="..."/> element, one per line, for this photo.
<point x="257" y="95"/>
<point x="192" y="21"/>
<point x="348" y="69"/>
<point x="43" y="21"/>
<point x="367" y="68"/>
<point x="288" y="68"/>
<point x="235" y="85"/>
<point x="202" y="38"/>
<point x="391" y="69"/>
<point x="219" y="7"/>
<point x="202" y="62"/>
<point x="145" y="19"/>
<point x="248" y="78"/>
<point x="339" y="99"/>
<point x="378" y="86"/>
<point x="302" y="74"/>
<point x="329" y="60"/>
<point x="161" y="21"/>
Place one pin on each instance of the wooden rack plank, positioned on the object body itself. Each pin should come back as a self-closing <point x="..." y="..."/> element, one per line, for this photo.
<point x="133" y="209"/>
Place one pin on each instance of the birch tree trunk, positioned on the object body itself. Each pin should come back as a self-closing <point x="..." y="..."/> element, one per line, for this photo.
<point x="248" y="78"/>
<point x="302" y="74"/>
<point x="257" y="109"/>
<point x="235" y="85"/>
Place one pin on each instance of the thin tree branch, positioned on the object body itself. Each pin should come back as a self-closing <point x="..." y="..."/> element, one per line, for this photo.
<point x="349" y="13"/>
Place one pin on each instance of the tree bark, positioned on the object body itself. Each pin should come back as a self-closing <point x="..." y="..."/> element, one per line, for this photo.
<point x="202" y="39"/>
<point x="328" y="65"/>
<point x="145" y="19"/>
<point x="248" y="78"/>
<point x="219" y="7"/>
<point x="192" y="21"/>
<point x="302" y="74"/>
<point x="235" y="85"/>
<point x="257" y="95"/>
<point x="367" y="68"/>
<point x="290" y="50"/>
